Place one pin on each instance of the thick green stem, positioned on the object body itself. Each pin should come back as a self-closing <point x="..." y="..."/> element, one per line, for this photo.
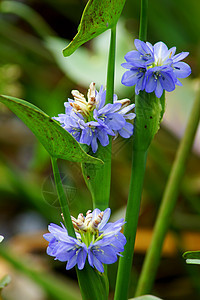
<point x="168" y="203"/>
<point x="132" y="213"/>
<point x="62" y="198"/>
<point x="143" y="20"/>
<point x="142" y="127"/>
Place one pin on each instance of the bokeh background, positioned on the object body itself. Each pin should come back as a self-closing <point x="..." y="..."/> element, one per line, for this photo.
<point x="32" y="36"/>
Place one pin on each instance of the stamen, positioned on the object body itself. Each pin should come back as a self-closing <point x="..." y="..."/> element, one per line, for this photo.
<point x="124" y="102"/>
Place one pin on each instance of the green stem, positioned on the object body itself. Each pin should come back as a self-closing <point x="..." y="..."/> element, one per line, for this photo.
<point x="88" y="276"/>
<point x="111" y="67"/>
<point x="95" y="176"/>
<point x="136" y="184"/>
<point x="62" y="198"/>
<point x="143" y="20"/>
<point x="168" y="203"/>
<point x="132" y="213"/>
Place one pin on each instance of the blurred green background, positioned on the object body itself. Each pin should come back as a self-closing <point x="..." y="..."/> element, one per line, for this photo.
<point x="32" y="36"/>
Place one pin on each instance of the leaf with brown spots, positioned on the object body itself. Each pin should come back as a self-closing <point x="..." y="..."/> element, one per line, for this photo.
<point x="55" y="139"/>
<point x="98" y="16"/>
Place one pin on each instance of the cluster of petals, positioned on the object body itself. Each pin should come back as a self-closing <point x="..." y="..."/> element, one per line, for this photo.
<point x="92" y="121"/>
<point x="96" y="240"/>
<point x="154" y="68"/>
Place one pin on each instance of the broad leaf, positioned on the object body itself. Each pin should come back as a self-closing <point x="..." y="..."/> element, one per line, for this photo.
<point x="56" y="140"/>
<point x="146" y="297"/>
<point x="4" y="282"/>
<point x="98" y="16"/>
<point x="192" y="257"/>
<point x="97" y="177"/>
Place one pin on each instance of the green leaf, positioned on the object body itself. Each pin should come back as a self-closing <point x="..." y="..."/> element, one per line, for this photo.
<point x="149" y="111"/>
<point x="56" y="140"/>
<point x="4" y="281"/>
<point x="98" y="16"/>
<point x="97" y="177"/>
<point x="93" y="285"/>
<point x="192" y="257"/>
<point x="146" y="297"/>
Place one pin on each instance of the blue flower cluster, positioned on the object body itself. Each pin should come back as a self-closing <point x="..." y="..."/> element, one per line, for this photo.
<point x="97" y="240"/>
<point x="154" y="68"/>
<point x="92" y="121"/>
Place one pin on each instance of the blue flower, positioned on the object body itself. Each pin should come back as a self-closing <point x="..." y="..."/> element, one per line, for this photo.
<point x="97" y="240"/>
<point x="154" y="68"/>
<point x="159" y="79"/>
<point x="90" y="122"/>
<point x="1" y="238"/>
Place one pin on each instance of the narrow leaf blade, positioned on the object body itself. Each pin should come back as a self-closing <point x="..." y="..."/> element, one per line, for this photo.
<point x="146" y="297"/>
<point x="192" y="257"/>
<point x="56" y="140"/>
<point x="98" y="16"/>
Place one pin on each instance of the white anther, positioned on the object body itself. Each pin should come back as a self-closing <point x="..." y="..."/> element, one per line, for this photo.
<point x="124" y="102"/>
<point x="79" y="97"/>
<point x="98" y="220"/>
<point x="91" y="94"/>
<point x="81" y="217"/>
<point x="88" y="219"/>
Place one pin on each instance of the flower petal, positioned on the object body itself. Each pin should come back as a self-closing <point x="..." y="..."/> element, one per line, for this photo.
<point x="180" y="56"/>
<point x="181" y="69"/>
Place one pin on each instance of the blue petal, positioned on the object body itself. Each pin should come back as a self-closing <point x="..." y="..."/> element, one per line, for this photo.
<point x="180" y="56"/>
<point x="130" y="78"/>
<point x="181" y="69"/>
<point x="103" y="137"/>
<point x="167" y="82"/>
<point x="101" y="98"/>
<point x="150" y="84"/>
<point x="81" y="258"/>
<point x="115" y="121"/>
<point x="142" y="47"/>
<point x="127" y="65"/>
<point x="110" y="108"/>
<point x="106" y="217"/>
<point x="72" y="262"/>
<point x="98" y="265"/>
<point x="132" y="56"/>
<point x="159" y="89"/>
<point x="86" y="136"/>
<point x="160" y="50"/>
<point x="127" y="130"/>
<point x="106" y="255"/>
<point x="94" y="144"/>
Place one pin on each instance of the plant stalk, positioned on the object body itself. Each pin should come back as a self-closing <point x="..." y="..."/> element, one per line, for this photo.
<point x="143" y="20"/>
<point x="97" y="177"/>
<point x="152" y="258"/>
<point x="62" y="198"/>
<point x="130" y="228"/>
<point x="135" y="192"/>
<point x="111" y="67"/>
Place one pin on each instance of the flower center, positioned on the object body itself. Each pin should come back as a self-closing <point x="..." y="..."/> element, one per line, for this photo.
<point x="87" y="227"/>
